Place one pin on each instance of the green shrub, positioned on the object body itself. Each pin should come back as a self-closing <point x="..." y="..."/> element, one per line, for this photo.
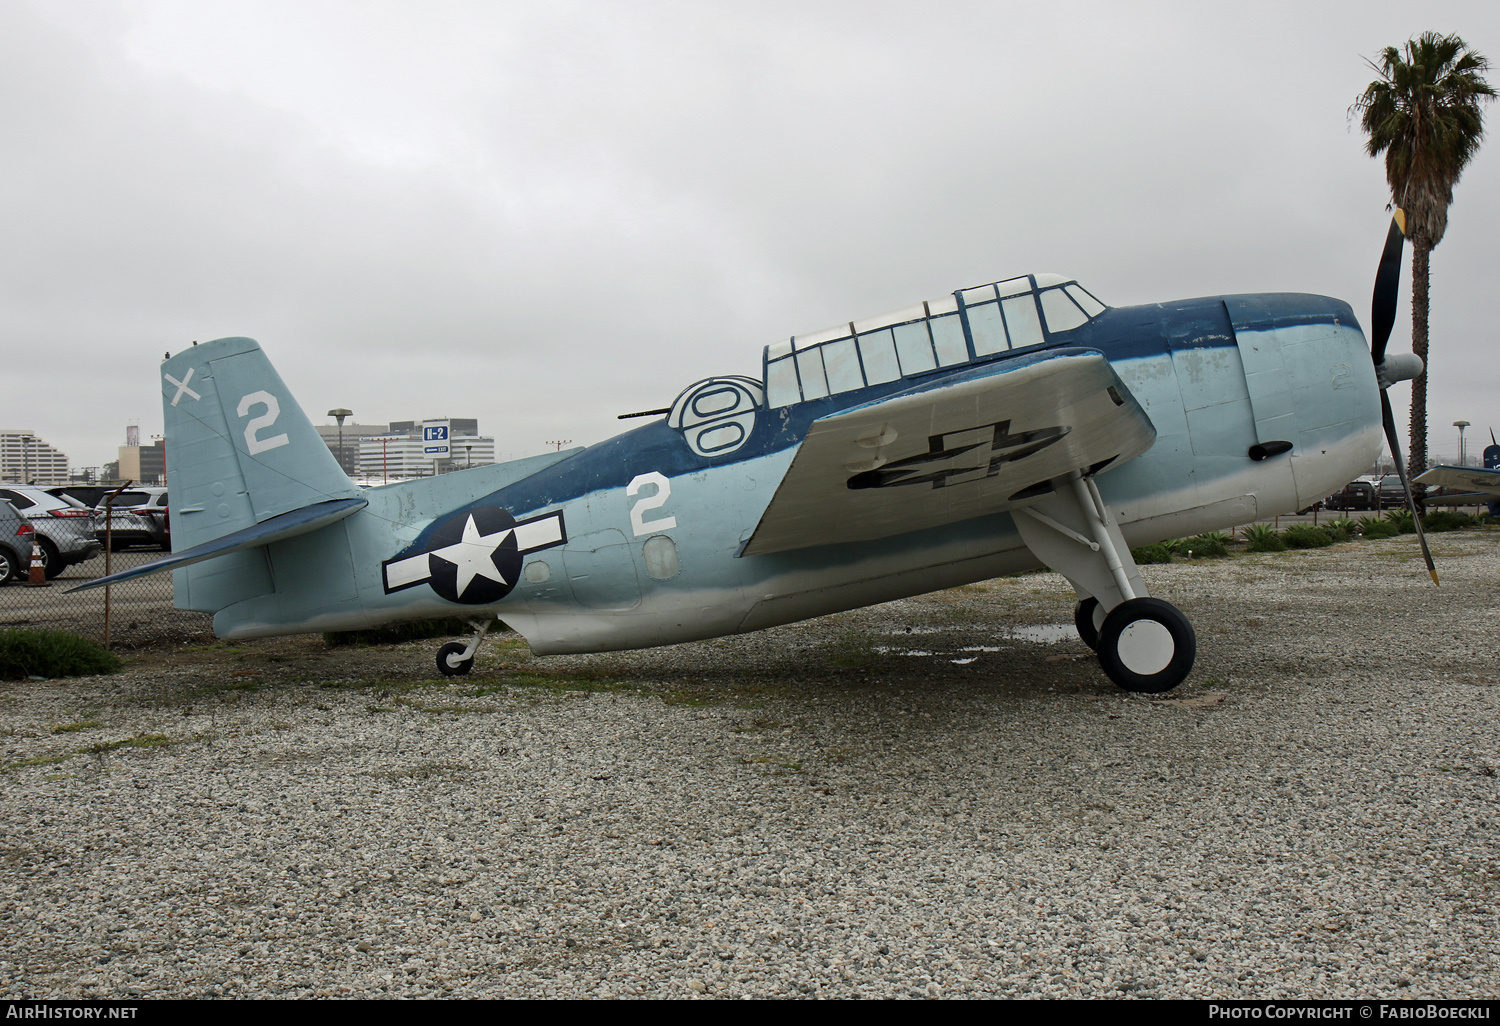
<point x="1263" y="538"/>
<point x="395" y="634"/>
<point x="1402" y="520"/>
<point x="1306" y="536"/>
<point x="1446" y="520"/>
<point x="1157" y="553"/>
<point x="1213" y="545"/>
<point x="1342" y="529"/>
<point x="30" y="653"/>
<point x="1374" y="527"/>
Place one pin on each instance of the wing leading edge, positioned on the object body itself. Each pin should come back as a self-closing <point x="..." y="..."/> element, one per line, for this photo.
<point x="956" y="447"/>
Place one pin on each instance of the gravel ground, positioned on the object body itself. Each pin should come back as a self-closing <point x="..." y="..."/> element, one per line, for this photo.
<point x="919" y="799"/>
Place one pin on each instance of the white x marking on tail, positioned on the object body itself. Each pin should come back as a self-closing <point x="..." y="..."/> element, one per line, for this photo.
<point x="182" y="386"/>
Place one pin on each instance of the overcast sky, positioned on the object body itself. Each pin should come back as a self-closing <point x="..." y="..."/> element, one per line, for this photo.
<point x="544" y="214"/>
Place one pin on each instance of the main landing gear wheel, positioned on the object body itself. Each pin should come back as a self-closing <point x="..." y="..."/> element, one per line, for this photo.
<point x="448" y="663"/>
<point x="1083" y="619"/>
<point x="1147" y="645"/>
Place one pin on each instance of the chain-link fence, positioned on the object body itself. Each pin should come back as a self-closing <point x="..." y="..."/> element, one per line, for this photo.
<point x="129" y="615"/>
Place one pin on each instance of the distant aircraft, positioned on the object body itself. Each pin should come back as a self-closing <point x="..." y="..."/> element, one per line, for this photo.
<point x="998" y="429"/>
<point x="1473" y="484"/>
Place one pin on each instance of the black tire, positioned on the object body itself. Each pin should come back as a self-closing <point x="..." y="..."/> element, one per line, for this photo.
<point x="52" y="563"/>
<point x="10" y="565"/>
<point x="1147" y="645"/>
<point x="1083" y="619"/>
<point x="448" y="669"/>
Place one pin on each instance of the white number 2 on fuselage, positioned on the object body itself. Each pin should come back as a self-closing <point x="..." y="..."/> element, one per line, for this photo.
<point x="638" y="523"/>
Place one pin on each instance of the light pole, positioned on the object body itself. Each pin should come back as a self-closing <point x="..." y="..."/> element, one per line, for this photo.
<point x="26" y="459"/>
<point x="1461" y="424"/>
<point x="468" y="455"/>
<point x="339" y="415"/>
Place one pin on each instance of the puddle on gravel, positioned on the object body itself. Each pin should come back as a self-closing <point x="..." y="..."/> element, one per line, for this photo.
<point x="1043" y="634"/>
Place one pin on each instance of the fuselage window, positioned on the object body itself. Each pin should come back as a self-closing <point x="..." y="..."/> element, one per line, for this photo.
<point x="1081" y="296"/>
<point x="841" y="361"/>
<point x="878" y="350"/>
<point x="914" y="348"/>
<point x="986" y="328"/>
<point x="1062" y="313"/>
<point x="781" y="383"/>
<point x="1021" y="318"/>
<point x="948" y="339"/>
<point x="810" y="370"/>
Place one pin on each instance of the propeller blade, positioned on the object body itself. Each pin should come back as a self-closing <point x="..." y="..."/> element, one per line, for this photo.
<point x="1387" y="287"/>
<point x="1390" y="436"/>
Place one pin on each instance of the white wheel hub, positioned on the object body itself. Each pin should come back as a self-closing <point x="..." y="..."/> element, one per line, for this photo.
<point x="1146" y="647"/>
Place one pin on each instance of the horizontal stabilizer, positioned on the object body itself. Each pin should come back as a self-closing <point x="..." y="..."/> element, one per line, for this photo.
<point x="1472" y="479"/>
<point x="278" y="528"/>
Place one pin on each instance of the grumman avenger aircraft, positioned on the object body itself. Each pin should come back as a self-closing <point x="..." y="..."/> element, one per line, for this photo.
<point x="1471" y="483"/>
<point x="998" y="429"/>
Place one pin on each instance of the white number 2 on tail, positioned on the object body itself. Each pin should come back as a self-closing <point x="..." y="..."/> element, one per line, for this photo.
<point x="253" y="443"/>
<point x="638" y="522"/>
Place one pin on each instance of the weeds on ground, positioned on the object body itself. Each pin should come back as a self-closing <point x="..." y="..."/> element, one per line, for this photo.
<point x="36" y="653"/>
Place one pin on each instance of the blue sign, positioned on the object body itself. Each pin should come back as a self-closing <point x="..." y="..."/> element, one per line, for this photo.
<point x="435" y="439"/>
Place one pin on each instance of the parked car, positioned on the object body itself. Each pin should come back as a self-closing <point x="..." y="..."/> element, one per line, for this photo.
<point x="15" y="543"/>
<point x="1392" y="491"/>
<point x="89" y="495"/>
<point x="1354" y="495"/>
<point x="137" y="516"/>
<point x="65" y="527"/>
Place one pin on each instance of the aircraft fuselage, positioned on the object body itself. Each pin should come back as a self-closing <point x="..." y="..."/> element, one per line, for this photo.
<point x="640" y="540"/>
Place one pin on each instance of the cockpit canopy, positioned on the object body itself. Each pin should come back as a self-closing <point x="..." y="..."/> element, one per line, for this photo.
<point x="946" y="332"/>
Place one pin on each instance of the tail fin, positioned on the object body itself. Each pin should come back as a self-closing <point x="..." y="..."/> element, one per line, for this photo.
<point x="239" y="449"/>
<point x="240" y="452"/>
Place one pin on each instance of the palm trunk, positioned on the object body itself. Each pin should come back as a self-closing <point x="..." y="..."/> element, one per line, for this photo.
<point x="1417" y="453"/>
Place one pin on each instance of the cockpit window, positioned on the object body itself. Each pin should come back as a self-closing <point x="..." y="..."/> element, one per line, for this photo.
<point x="967" y="325"/>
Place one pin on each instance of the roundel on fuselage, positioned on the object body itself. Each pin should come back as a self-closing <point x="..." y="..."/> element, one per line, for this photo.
<point x="717" y="415"/>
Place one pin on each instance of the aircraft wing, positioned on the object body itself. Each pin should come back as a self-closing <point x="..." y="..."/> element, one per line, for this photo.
<point x="956" y="447"/>
<point x="1470" y="479"/>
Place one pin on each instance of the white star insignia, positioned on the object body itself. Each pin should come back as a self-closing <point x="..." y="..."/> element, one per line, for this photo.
<point x="472" y="555"/>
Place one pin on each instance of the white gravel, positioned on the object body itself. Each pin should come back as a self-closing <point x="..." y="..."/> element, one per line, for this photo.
<point x="811" y="810"/>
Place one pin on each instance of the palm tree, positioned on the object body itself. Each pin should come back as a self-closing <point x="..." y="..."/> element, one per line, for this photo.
<point x="1423" y="113"/>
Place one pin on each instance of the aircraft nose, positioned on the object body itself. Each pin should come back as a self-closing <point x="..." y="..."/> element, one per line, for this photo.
<point x="1311" y="382"/>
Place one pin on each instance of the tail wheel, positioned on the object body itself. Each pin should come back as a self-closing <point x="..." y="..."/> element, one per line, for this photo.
<point x="448" y="662"/>
<point x="1147" y="645"/>
<point x="1083" y="619"/>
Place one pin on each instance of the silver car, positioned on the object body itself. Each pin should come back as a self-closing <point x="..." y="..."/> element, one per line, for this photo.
<point x="65" y="526"/>
<point x="15" y="543"/>
<point x="137" y="516"/>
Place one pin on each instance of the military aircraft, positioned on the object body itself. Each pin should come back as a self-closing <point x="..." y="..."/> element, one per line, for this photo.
<point x="1000" y="428"/>
<point x="1472" y="484"/>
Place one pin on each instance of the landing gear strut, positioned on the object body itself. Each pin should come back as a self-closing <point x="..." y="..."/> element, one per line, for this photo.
<point x="456" y="658"/>
<point x="1144" y="644"/>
